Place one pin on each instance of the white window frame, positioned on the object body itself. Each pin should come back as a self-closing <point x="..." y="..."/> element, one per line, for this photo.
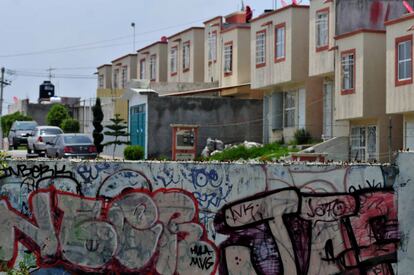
<point x="101" y="81"/>
<point x="290" y="100"/>
<point x="360" y="143"/>
<point x="153" y="67"/>
<point x="261" y="48"/>
<point x="212" y="46"/>
<point x="347" y="71"/>
<point x="280" y="43"/>
<point x="116" y="80"/>
<point x="228" y="57"/>
<point x="142" y="69"/>
<point x="124" y="76"/>
<point x="408" y="47"/>
<point x="173" y="60"/>
<point x="322" y="28"/>
<point x="186" y="55"/>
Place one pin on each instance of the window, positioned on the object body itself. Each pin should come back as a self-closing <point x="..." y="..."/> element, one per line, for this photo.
<point x="100" y="81"/>
<point x="153" y="67"/>
<point x="322" y="29"/>
<point x="289" y="109"/>
<point x="124" y="76"/>
<point x="228" y="58"/>
<point x="348" y="72"/>
<point x="212" y="46"/>
<point x="280" y="43"/>
<point x="116" y="76"/>
<point x="142" y="69"/>
<point x="404" y="60"/>
<point x="186" y="56"/>
<point x="173" y="61"/>
<point x="364" y="143"/>
<point x="261" y="48"/>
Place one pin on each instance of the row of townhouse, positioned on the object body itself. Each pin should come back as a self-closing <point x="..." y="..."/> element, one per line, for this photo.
<point x="341" y="69"/>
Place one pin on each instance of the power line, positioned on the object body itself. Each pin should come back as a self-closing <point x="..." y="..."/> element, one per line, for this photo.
<point x="81" y="46"/>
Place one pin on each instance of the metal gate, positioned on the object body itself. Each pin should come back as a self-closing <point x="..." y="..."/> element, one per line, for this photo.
<point x="137" y="125"/>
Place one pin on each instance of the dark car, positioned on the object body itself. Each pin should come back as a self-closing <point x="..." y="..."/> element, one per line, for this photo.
<point x="19" y="132"/>
<point x="71" y="146"/>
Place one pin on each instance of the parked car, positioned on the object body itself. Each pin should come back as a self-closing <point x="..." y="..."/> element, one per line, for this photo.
<point x="71" y="146"/>
<point x="19" y="132"/>
<point x="36" y="142"/>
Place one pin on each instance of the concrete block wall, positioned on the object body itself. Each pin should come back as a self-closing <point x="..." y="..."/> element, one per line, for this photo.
<point x="208" y="218"/>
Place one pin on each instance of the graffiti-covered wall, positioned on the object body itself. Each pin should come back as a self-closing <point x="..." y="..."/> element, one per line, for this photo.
<point x="206" y="218"/>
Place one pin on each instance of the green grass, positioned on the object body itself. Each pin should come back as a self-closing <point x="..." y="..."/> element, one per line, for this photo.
<point x="268" y="152"/>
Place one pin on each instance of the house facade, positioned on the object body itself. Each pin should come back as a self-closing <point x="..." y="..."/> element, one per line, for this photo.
<point x="152" y="62"/>
<point x="279" y="68"/>
<point x="399" y="80"/>
<point x="186" y="56"/>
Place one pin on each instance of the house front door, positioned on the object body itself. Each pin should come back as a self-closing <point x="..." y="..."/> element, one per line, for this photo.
<point x="137" y="125"/>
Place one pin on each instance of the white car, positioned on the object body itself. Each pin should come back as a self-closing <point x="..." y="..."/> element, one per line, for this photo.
<point x="41" y="135"/>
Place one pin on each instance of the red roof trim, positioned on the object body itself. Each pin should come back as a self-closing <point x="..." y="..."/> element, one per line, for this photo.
<point x="186" y="30"/>
<point x="401" y="19"/>
<point x="213" y="19"/>
<point x="104" y="65"/>
<point x="277" y="11"/>
<point x="124" y="56"/>
<point x="234" y="28"/>
<point x="348" y="34"/>
<point x="150" y="45"/>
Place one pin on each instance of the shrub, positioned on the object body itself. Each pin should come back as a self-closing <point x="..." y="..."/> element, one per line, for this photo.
<point x="98" y="117"/>
<point x="70" y="125"/>
<point x="7" y="121"/>
<point x="57" y="114"/>
<point x="302" y="136"/>
<point x="133" y="152"/>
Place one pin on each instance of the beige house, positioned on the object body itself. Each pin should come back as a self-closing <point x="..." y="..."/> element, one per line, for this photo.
<point x="115" y="79"/>
<point x="279" y="68"/>
<point x="104" y="73"/>
<point x="360" y="83"/>
<point x="186" y="56"/>
<point x="152" y="62"/>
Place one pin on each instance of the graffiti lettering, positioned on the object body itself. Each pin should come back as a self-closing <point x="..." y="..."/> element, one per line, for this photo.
<point x="133" y="228"/>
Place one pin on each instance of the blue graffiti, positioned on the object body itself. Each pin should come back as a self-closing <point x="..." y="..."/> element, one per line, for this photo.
<point x="201" y="178"/>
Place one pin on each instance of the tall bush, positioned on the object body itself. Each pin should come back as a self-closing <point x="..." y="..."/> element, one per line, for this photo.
<point x="57" y="114"/>
<point x="98" y="117"/>
<point x="70" y="125"/>
<point x="7" y="121"/>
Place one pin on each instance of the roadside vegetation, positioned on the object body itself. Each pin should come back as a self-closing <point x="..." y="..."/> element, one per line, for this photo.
<point x="7" y="121"/>
<point x="268" y="152"/>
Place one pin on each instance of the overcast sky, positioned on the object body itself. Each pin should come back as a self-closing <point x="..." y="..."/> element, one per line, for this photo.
<point x="76" y="36"/>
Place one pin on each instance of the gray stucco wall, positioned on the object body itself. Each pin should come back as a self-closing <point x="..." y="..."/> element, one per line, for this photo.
<point x="228" y="119"/>
<point x="352" y="15"/>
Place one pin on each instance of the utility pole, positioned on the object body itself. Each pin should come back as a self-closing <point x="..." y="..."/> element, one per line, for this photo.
<point x="133" y="45"/>
<point x="3" y="83"/>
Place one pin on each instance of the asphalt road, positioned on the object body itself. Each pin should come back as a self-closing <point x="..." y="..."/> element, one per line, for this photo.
<point x="17" y="153"/>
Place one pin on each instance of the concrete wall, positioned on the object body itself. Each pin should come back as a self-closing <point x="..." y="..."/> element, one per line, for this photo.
<point x="204" y="218"/>
<point x="229" y="119"/>
<point x="400" y="98"/>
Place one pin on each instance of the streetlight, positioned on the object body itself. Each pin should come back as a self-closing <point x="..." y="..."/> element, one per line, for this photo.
<point x="133" y="27"/>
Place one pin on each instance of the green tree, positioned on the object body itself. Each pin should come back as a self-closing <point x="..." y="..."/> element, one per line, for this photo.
<point x="98" y="116"/>
<point x="70" y="125"/>
<point x="7" y="121"/>
<point x="118" y="130"/>
<point x="57" y="114"/>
